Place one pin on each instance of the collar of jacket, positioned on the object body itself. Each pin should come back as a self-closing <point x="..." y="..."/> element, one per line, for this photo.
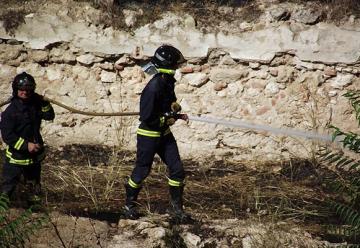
<point x="21" y="103"/>
<point x="166" y="71"/>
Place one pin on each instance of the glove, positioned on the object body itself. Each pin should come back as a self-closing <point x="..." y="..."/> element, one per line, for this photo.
<point x="175" y="107"/>
<point x="183" y="117"/>
<point x="170" y="118"/>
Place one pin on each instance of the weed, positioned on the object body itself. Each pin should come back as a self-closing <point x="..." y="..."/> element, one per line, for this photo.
<point x="336" y="9"/>
<point x="173" y="238"/>
<point x="12" y="20"/>
<point x="347" y="183"/>
<point x="15" y="231"/>
<point x="273" y="235"/>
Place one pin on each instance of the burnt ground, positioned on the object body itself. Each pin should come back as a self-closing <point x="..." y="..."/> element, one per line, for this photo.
<point x="87" y="181"/>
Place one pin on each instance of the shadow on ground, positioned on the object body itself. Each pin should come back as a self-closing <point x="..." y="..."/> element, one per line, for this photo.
<point x="87" y="181"/>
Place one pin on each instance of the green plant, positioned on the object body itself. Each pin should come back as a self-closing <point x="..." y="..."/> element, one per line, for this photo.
<point x="347" y="182"/>
<point x="14" y="232"/>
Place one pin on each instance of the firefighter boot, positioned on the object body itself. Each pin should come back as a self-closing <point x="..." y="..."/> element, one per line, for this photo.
<point x="130" y="202"/>
<point x="34" y="199"/>
<point x="176" y="200"/>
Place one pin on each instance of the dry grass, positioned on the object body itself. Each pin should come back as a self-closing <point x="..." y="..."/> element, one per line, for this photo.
<point x="88" y="181"/>
<point x="12" y="20"/>
<point x="13" y="12"/>
<point x="205" y="12"/>
<point x="95" y="179"/>
<point x="335" y="10"/>
<point x="217" y="190"/>
<point x="275" y="235"/>
<point x="239" y="193"/>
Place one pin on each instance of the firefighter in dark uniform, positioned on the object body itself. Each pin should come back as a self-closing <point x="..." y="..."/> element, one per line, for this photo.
<point x="20" y="130"/>
<point x="158" y="111"/>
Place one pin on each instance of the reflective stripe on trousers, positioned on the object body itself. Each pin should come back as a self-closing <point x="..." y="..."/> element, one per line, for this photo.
<point x="154" y="134"/>
<point x="167" y="149"/>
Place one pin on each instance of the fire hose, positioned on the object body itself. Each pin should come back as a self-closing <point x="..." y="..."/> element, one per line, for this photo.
<point x="76" y="111"/>
<point x="230" y="123"/>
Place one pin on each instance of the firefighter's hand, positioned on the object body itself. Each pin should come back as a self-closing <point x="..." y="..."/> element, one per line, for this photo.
<point x="170" y="118"/>
<point x="170" y="121"/>
<point x="175" y="107"/>
<point x="183" y="117"/>
<point x="33" y="147"/>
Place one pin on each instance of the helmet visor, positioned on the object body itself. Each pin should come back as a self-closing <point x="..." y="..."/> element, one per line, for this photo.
<point x="25" y="84"/>
<point x="26" y="88"/>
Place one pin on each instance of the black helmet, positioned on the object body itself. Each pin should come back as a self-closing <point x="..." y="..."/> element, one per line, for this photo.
<point x="23" y="81"/>
<point x="167" y="57"/>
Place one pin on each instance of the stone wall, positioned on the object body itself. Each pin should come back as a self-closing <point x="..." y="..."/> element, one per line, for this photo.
<point x="284" y="74"/>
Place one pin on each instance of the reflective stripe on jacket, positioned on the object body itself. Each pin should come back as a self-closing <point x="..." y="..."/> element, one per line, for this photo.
<point x="38" y="158"/>
<point x="155" y="101"/>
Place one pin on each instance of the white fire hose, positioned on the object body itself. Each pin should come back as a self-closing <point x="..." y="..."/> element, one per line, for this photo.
<point x="230" y="123"/>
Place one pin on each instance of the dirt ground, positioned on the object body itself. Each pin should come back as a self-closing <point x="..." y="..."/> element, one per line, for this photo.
<point x="87" y="181"/>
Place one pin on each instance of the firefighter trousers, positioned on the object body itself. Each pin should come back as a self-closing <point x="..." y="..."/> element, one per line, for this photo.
<point x="166" y="147"/>
<point x="12" y="175"/>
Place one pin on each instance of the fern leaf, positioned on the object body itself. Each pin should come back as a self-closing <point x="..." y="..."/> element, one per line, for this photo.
<point x="348" y="211"/>
<point x="329" y="157"/>
<point x="335" y="159"/>
<point x="349" y="161"/>
<point x="343" y="230"/>
<point x="356" y="181"/>
<point x="354" y="96"/>
<point x="354" y="220"/>
<point x="347" y="214"/>
<point x="4" y="203"/>
<point x="16" y="232"/>
<point x="355" y="166"/>
<point x="342" y="161"/>
<point x="323" y="151"/>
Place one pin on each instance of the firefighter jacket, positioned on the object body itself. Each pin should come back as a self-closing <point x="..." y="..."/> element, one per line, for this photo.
<point x="20" y="124"/>
<point x="155" y="101"/>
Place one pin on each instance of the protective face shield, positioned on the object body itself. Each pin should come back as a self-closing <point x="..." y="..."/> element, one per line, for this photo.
<point x="149" y="68"/>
